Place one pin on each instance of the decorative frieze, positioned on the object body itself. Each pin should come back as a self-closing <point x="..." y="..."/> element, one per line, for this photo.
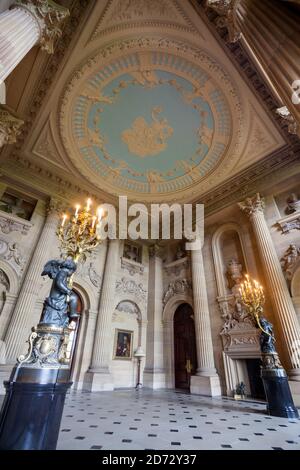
<point x="10" y="126"/>
<point x="10" y="223"/>
<point x="180" y="286"/>
<point x="132" y="266"/>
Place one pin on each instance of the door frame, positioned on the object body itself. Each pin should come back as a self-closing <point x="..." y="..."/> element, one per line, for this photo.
<point x="168" y="334"/>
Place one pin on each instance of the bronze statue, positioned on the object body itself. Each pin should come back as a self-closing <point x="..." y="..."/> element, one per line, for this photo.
<point x="61" y="305"/>
<point x="267" y="339"/>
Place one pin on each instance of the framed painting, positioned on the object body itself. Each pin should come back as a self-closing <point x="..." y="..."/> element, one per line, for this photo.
<point x="123" y="344"/>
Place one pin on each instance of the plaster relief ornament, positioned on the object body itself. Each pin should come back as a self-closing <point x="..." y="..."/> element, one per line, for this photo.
<point x="226" y="19"/>
<point x="285" y="114"/>
<point x="10" y="126"/>
<point x="146" y="140"/>
<point x="180" y="286"/>
<point x="128" y="286"/>
<point x="289" y="259"/>
<point x="14" y="254"/>
<point x="293" y="203"/>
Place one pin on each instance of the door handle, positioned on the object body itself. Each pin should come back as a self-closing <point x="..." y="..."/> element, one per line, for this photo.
<point x="188" y="366"/>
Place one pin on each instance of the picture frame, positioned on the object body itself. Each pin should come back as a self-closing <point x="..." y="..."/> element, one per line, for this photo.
<point x="123" y="345"/>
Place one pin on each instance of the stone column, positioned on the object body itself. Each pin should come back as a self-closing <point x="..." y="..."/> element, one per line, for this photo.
<point x="154" y="372"/>
<point x="206" y="381"/>
<point x="19" y="327"/>
<point x="98" y="376"/>
<point x="26" y="24"/>
<point x="270" y="31"/>
<point x="277" y="287"/>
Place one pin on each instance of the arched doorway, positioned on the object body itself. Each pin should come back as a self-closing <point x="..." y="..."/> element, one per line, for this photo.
<point x="185" y="355"/>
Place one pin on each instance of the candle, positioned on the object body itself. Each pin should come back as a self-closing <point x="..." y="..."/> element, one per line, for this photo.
<point x="88" y="204"/>
<point x="94" y="221"/>
<point x="100" y="213"/>
<point x="64" y="218"/>
<point x="77" y="209"/>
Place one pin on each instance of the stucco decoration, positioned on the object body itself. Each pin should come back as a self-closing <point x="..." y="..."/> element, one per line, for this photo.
<point x="159" y="116"/>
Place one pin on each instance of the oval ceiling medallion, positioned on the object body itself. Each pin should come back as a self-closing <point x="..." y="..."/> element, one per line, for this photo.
<point x="146" y="122"/>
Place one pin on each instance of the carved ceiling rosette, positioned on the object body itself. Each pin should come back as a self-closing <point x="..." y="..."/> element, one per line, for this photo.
<point x="145" y="158"/>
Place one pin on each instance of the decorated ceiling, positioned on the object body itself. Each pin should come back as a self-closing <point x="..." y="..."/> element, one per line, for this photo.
<point x="147" y="104"/>
<point x="148" y="121"/>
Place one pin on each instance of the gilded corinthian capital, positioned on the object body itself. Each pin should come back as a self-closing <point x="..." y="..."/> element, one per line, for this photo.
<point x="226" y="10"/>
<point x="50" y="17"/>
<point x="252" y="205"/>
<point x="10" y="126"/>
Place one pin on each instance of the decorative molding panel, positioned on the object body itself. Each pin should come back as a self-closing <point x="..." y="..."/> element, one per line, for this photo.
<point x="175" y="267"/>
<point x="291" y="222"/>
<point x="132" y="266"/>
<point x="10" y="223"/>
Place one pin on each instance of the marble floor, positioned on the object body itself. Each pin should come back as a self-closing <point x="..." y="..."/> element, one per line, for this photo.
<point x="146" y="419"/>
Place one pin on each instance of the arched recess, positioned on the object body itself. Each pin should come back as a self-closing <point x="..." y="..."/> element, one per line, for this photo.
<point x="218" y="255"/>
<point x="131" y="307"/>
<point x="295" y="288"/>
<point x="168" y="327"/>
<point x="127" y="316"/>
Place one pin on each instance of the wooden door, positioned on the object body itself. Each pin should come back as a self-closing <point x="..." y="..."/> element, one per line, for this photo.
<point x="184" y="346"/>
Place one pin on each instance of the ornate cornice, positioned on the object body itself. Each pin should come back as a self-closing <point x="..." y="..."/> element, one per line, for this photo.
<point x="256" y="178"/>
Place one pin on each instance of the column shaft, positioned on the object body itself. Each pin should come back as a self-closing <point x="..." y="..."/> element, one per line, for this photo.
<point x="277" y="287"/>
<point x="102" y="342"/>
<point x="271" y="32"/>
<point x="205" y="355"/>
<point x="19" y="32"/>
<point x="154" y="372"/>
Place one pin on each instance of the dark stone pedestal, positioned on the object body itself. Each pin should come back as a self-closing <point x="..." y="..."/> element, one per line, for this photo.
<point x="32" y="408"/>
<point x="278" y="393"/>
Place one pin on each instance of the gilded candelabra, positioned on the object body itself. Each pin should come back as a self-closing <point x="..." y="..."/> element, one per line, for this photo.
<point x="78" y="234"/>
<point x="252" y="295"/>
<point x="274" y="377"/>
